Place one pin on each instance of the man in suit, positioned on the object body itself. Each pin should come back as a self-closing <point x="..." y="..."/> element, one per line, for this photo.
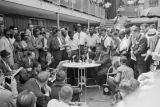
<point x="5" y="44"/>
<point x="86" y="55"/>
<point x="4" y="63"/>
<point x="48" y="62"/>
<point x="39" y="87"/>
<point x="138" y="49"/>
<point x="57" y="46"/>
<point x="70" y="55"/>
<point x="102" y="58"/>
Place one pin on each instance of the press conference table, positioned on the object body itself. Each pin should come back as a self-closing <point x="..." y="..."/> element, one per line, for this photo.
<point x="82" y="69"/>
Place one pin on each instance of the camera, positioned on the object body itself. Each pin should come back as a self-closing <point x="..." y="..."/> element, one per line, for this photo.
<point x="8" y="80"/>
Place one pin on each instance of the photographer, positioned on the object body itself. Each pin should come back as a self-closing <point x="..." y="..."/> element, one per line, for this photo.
<point x="7" y="98"/>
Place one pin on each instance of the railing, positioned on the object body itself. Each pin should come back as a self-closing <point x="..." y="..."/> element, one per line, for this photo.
<point x="85" y="6"/>
<point x="153" y="3"/>
<point x="131" y="11"/>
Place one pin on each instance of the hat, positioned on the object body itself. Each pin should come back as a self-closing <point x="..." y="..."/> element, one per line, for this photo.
<point x="61" y="76"/>
<point x="78" y="25"/>
<point x="4" y="53"/>
<point x="151" y="32"/>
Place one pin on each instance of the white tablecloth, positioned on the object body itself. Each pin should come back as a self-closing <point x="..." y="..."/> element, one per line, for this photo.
<point x="80" y="65"/>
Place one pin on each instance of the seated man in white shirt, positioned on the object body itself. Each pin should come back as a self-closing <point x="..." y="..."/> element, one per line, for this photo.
<point x="65" y="96"/>
<point x="92" y="39"/>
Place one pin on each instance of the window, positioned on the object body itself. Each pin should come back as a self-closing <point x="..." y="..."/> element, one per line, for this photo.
<point x="36" y="22"/>
<point x="153" y="3"/>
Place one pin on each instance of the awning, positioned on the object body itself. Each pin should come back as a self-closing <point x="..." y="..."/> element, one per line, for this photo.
<point x="142" y="20"/>
<point x="151" y="12"/>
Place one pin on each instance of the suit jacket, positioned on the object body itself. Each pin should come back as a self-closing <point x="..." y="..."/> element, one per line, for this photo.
<point x="33" y="86"/>
<point x="105" y="61"/>
<point x="89" y="55"/>
<point x="140" y="48"/>
<point x="54" y="44"/>
<point x="6" y="45"/>
<point x="25" y="63"/>
<point x="67" y="57"/>
<point x="45" y="65"/>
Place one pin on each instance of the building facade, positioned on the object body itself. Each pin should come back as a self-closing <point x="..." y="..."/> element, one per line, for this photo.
<point x="49" y="13"/>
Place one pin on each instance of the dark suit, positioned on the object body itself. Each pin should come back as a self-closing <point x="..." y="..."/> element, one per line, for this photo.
<point x="55" y="50"/>
<point x="105" y="61"/>
<point x="139" y="49"/>
<point x="26" y="64"/>
<point x="45" y="65"/>
<point x="33" y="86"/>
<point x="70" y="57"/>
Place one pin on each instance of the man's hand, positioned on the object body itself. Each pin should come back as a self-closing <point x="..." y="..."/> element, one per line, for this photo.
<point x="47" y="90"/>
<point x="29" y="69"/>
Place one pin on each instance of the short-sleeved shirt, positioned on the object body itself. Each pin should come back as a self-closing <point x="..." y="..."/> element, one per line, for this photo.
<point x="81" y="37"/>
<point x="107" y="41"/>
<point x="92" y="40"/>
<point x="73" y="43"/>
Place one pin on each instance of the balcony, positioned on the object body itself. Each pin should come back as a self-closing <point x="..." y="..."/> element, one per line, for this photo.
<point x="84" y="6"/>
<point x="131" y="11"/>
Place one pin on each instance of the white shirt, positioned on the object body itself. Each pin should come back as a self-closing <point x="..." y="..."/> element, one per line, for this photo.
<point x="73" y="43"/>
<point x="56" y="103"/>
<point x="107" y="41"/>
<point x="45" y="43"/>
<point x="81" y="37"/>
<point x="92" y="40"/>
<point x="124" y="44"/>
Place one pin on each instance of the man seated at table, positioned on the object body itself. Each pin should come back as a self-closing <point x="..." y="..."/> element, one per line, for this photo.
<point x="104" y="59"/>
<point x="86" y="55"/>
<point x="70" y="54"/>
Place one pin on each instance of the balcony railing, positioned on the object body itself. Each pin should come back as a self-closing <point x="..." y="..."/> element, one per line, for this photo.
<point x="131" y="11"/>
<point x="85" y="6"/>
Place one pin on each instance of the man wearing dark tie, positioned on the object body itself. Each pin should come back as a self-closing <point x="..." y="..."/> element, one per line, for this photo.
<point x="57" y="46"/>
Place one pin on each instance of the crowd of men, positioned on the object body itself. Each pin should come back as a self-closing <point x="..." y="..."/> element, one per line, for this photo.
<point x="130" y="51"/>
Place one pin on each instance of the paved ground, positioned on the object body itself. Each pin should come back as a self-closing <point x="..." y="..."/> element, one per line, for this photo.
<point x="95" y="98"/>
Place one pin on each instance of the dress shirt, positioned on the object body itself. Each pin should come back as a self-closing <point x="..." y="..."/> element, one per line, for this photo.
<point x="92" y="40"/>
<point x="73" y="43"/>
<point x="81" y="37"/>
<point x="45" y="43"/>
<point x="107" y="41"/>
<point x="124" y="44"/>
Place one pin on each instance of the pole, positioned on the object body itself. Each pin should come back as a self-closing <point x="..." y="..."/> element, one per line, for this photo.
<point x="58" y="20"/>
<point x="88" y="24"/>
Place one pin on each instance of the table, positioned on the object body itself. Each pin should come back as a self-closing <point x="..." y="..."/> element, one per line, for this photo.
<point x="81" y="70"/>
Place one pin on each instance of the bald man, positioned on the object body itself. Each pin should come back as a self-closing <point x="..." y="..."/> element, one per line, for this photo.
<point x="65" y="96"/>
